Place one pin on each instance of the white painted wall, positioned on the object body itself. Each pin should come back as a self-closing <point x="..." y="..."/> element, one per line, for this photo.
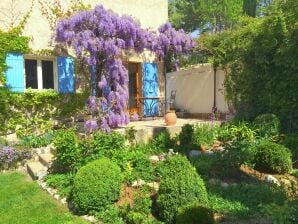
<point x="195" y="89"/>
<point x="150" y="14"/>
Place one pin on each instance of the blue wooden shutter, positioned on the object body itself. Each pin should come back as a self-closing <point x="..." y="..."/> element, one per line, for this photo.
<point x="65" y="75"/>
<point x="15" y="72"/>
<point x="150" y="88"/>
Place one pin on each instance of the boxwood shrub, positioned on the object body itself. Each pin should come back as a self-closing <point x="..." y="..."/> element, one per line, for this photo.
<point x="195" y="213"/>
<point x="96" y="185"/>
<point x="180" y="184"/>
<point x="272" y="157"/>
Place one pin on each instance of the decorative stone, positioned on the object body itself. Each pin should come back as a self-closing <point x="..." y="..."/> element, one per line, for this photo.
<point x="89" y="218"/>
<point x="272" y="179"/>
<point x="56" y="196"/>
<point x="213" y="181"/>
<point x="49" y="190"/>
<point x="154" y="185"/>
<point x="63" y="200"/>
<point x="220" y="148"/>
<point x="138" y="183"/>
<point x="194" y="153"/>
<point x="43" y="185"/>
<point x="154" y="158"/>
<point x="224" y="184"/>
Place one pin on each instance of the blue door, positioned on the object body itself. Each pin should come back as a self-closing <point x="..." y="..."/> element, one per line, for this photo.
<point x="150" y="89"/>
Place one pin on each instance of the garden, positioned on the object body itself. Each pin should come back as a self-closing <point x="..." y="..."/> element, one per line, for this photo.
<point x="240" y="171"/>
<point x="237" y="172"/>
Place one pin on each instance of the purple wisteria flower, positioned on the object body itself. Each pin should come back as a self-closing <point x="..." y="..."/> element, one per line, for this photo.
<point x="100" y="37"/>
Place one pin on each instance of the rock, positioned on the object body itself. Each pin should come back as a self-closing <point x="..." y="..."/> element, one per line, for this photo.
<point x="272" y="179"/>
<point x="154" y="185"/>
<point x="194" y="153"/>
<point x="56" y="196"/>
<point x="213" y="181"/>
<point x="49" y="190"/>
<point x="171" y="152"/>
<point x="89" y="218"/>
<point x="138" y="183"/>
<point x="286" y="182"/>
<point x="220" y="148"/>
<point x="43" y="185"/>
<point x="224" y="184"/>
<point x="154" y="158"/>
<point x="63" y="200"/>
<point x="208" y="152"/>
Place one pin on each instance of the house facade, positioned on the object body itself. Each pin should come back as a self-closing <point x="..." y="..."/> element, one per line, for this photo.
<point x="146" y="77"/>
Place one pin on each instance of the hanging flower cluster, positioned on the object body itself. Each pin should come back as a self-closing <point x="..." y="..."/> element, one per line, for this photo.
<point x="172" y="41"/>
<point x="99" y="37"/>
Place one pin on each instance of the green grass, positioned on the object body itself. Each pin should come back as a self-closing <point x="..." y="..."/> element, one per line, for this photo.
<point x="23" y="202"/>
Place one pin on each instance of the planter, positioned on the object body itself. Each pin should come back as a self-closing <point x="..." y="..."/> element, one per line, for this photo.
<point x="170" y="118"/>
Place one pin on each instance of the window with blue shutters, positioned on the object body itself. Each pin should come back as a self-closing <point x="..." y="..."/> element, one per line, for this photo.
<point x="150" y="89"/>
<point x="65" y="75"/>
<point x="15" y="72"/>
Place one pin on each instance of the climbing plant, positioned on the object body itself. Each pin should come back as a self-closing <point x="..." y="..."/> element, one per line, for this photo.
<point x="100" y="37"/>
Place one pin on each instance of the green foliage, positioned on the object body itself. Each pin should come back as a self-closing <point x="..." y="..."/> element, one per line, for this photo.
<point x="67" y="150"/>
<point x="62" y="182"/>
<point x="11" y="41"/>
<point x="243" y="200"/>
<point x="107" y="143"/>
<point x="33" y="141"/>
<point x="186" y="134"/>
<point x="267" y="125"/>
<point x="272" y="157"/>
<point x="163" y="141"/>
<point x="205" y="164"/>
<point x="130" y="135"/>
<point x="3" y="142"/>
<point x="291" y="142"/>
<point x="180" y="185"/>
<point x="261" y="58"/>
<point x="204" y="135"/>
<point x="212" y="15"/>
<point x="195" y="213"/>
<point x="96" y="185"/>
<point x="286" y="213"/>
<point x="111" y="214"/>
<point x="134" y="165"/>
<point x="32" y="112"/>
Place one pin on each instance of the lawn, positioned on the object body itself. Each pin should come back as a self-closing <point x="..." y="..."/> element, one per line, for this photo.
<point x="23" y="201"/>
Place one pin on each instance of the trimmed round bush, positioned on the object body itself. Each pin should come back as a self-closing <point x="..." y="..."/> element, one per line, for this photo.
<point x="273" y="158"/>
<point x="96" y="185"/>
<point x="267" y="124"/>
<point x="194" y="214"/>
<point x="180" y="185"/>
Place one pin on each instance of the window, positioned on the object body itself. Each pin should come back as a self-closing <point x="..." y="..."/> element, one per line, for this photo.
<point x="40" y="73"/>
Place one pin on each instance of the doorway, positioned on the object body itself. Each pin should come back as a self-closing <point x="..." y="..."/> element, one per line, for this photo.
<point x="133" y="87"/>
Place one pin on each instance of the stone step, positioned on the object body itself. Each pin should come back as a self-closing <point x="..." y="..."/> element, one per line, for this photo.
<point x="46" y="159"/>
<point x="36" y="170"/>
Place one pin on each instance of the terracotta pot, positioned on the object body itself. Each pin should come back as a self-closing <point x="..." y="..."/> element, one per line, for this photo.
<point x="171" y="118"/>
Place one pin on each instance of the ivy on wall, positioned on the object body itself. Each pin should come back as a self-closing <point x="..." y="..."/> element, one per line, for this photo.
<point x="34" y="112"/>
<point x="11" y="41"/>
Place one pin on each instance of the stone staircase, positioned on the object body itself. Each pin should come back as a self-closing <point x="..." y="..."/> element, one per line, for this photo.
<point x="38" y="167"/>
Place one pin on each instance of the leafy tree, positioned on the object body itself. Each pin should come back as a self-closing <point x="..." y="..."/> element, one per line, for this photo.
<point x="211" y="15"/>
<point x="261" y="57"/>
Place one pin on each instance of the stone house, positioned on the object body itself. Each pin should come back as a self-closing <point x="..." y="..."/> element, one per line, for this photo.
<point x="39" y="72"/>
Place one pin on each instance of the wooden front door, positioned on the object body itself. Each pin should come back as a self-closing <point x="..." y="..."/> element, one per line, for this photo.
<point x="134" y="88"/>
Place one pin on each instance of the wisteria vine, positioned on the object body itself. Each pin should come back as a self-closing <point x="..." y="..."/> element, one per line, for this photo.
<point x="99" y="37"/>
